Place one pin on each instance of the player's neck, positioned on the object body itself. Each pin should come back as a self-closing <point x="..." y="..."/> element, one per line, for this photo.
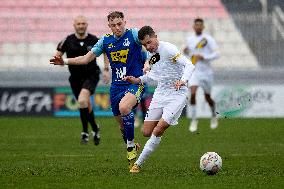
<point x="198" y="34"/>
<point x="83" y="36"/>
<point x="117" y="37"/>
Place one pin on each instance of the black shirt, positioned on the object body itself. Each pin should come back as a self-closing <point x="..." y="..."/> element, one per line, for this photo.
<point x="74" y="47"/>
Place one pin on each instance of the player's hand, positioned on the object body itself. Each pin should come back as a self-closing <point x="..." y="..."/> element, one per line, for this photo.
<point x="131" y="79"/>
<point x="178" y="84"/>
<point x="199" y="57"/>
<point x="186" y="51"/>
<point x="106" y="76"/>
<point x="56" y="60"/>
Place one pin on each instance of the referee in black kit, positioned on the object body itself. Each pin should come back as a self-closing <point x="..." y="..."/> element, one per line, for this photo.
<point x="84" y="78"/>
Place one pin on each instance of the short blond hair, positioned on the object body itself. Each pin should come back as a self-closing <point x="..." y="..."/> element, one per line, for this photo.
<point x="115" y="14"/>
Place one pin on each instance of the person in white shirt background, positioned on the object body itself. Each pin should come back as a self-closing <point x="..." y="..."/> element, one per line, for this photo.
<point x="171" y="70"/>
<point x="202" y="50"/>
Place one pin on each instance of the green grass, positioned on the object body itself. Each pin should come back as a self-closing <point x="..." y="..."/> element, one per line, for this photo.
<point x="46" y="153"/>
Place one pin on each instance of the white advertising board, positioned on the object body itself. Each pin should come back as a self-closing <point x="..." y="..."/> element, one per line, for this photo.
<point x="243" y="101"/>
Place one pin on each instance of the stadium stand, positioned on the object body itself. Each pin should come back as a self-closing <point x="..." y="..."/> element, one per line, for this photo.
<point x="31" y="29"/>
<point x="256" y="29"/>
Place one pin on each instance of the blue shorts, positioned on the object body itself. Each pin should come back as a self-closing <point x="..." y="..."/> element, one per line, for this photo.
<point x="117" y="92"/>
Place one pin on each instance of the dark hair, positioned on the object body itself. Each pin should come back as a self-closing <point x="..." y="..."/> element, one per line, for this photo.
<point x="145" y="30"/>
<point x="198" y="20"/>
<point x="115" y="14"/>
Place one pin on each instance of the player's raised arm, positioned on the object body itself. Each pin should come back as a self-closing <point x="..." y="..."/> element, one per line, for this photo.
<point x="80" y="60"/>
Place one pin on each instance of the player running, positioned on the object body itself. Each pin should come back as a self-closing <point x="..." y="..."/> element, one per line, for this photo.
<point x="202" y="49"/>
<point x="83" y="79"/>
<point x="172" y="71"/>
<point x="123" y="50"/>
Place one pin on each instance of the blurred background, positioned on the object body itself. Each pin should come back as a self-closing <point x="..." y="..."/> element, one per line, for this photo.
<point x="249" y="75"/>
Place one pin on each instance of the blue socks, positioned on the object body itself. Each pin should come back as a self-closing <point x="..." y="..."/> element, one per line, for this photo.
<point x="128" y="123"/>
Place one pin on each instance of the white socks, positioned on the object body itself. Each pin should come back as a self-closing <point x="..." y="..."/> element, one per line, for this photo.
<point x="193" y="112"/>
<point x="130" y="143"/>
<point x="213" y="111"/>
<point x="149" y="147"/>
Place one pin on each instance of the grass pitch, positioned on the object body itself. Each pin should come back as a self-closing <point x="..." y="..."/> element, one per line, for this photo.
<point x="46" y="153"/>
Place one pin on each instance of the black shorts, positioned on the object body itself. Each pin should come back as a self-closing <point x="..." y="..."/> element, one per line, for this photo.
<point x="77" y="84"/>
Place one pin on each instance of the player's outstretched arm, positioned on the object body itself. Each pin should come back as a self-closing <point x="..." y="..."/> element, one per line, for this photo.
<point x="80" y="60"/>
<point x="132" y="79"/>
<point x="106" y="74"/>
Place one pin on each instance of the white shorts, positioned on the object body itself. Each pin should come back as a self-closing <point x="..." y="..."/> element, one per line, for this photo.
<point x="201" y="80"/>
<point x="167" y="107"/>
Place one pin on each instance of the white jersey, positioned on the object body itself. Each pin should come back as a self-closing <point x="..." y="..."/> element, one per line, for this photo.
<point x="206" y="46"/>
<point x="168" y="65"/>
<point x="166" y="70"/>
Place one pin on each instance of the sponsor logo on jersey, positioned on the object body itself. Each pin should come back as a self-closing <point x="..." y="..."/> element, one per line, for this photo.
<point x="126" y="42"/>
<point x="119" y="56"/>
<point x="155" y="58"/>
<point x="89" y="48"/>
<point x="110" y="46"/>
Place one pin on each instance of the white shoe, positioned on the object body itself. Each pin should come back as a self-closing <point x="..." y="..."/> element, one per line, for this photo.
<point x="193" y="126"/>
<point x="214" y="123"/>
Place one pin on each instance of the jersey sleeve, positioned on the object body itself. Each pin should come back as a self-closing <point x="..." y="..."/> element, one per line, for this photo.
<point x="177" y="58"/>
<point x="213" y="48"/>
<point x="188" y="68"/>
<point x="148" y="77"/>
<point x="174" y="53"/>
<point x="98" y="47"/>
<point x="135" y="35"/>
<point x="62" y="45"/>
<point x="95" y="39"/>
<point x="212" y="43"/>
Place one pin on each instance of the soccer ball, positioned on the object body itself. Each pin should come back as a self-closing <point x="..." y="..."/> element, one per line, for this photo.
<point x="210" y="163"/>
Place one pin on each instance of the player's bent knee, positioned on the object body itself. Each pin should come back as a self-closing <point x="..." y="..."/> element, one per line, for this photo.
<point x="123" y="109"/>
<point x="83" y="102"/>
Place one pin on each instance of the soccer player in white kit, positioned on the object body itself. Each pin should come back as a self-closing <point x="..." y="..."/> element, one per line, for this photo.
<point x="171" y="70"/>
<point x="202" y="49"/>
